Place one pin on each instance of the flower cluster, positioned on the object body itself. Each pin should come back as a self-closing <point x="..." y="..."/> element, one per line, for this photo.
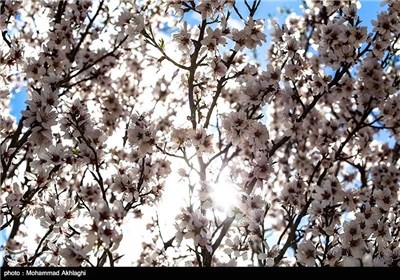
<point x="141" y="135"/>
<point x="241" y="130"/>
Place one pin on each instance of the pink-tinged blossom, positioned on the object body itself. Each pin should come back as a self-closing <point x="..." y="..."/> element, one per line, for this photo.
<point x="250" y="36"/>
<point x="213" y="39"/>
<point x="183" y="39"/>
<point x="306" y="253"/>
<point x="73" y="255"/>
<point x="386" y="23"/>
<point x="193" y="226"/>
<point x="218" y="68"/>
<point x="237" y="126"/>
<point x="14" y="199"/>
<point x="269" y="255"/>
<point x="293" y="194"/>
<point x="135" y="26"/>
<point x="141" y="136"/>
<point x="178" y="137"/>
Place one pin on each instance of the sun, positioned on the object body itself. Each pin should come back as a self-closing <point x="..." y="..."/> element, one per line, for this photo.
<point x="224" y="195"/>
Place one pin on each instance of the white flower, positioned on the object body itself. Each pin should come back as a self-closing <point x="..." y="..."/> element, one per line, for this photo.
<point x="72" y="254"/>
<point x="270" y="254"/>
<point x="236" y="126"/>
<point x="183" y="39"/>
<point x="136" y="26"/>
<point x="218" y="67"/>
<point x="213" y="39"/>
<point x="352" y="229"/>
<point x="306" y="253"/>
<point x="384" y="198"/>
<point x="13" y="199"/>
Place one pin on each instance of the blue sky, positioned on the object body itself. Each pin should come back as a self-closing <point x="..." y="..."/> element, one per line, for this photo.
<point x="17" y="101"/>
